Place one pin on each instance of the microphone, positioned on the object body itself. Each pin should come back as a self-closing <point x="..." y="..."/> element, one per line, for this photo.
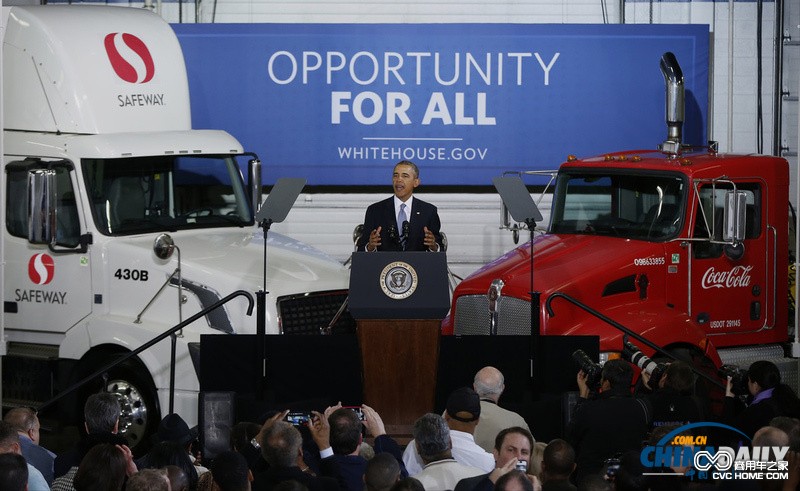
<point x="405" y="228"/>
<point x="393" y="233"/>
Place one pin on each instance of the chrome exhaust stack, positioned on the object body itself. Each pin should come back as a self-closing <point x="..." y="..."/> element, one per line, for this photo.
<point x="675" y="103"/>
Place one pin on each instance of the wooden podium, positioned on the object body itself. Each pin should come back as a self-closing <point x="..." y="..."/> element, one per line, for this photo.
<point x="399" y="300"/>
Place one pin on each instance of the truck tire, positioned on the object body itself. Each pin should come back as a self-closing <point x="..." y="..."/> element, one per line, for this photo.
<point x="133" y="386"/>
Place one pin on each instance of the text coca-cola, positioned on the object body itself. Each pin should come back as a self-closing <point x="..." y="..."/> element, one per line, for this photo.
<point x="738" y="276"/>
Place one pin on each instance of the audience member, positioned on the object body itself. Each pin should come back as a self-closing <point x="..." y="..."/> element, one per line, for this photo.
<point x="105" y="467"/>
<point x="167" y="453"/>
<point x="611" y="423"/>
<point x="25" y="421"/>
<point x="101" y="422"/>
<point x="382" y="472"/>
<point x="768" y="398"/>
<point x="148" y="480"/>
<point x="281" y="446"/>
<point x="595" y="482"/>
<point x="433" y="444"/>
<point x="408" y="484"/>
<point x="173" y="428"/>
<point x="537" y="455"/>
<point x="230" y="472"/>
<point x="511" y="446"/>
<point x="243" y="435"/>
<point x="9" y="444"/>
<point x="340" y="440"/>
<point x="13" y="472"/>
<point x="558" y="463"/>
<point x="178" y="480"/>
<point x="463" y="411"/>
<point x="489" y="383"/>
<point x="514" y="481"/>
<point x="792" y="428"/>
<point x="673" y="401"/>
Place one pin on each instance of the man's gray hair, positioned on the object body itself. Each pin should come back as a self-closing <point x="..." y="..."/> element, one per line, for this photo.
<point x="432" y="436"/>
<point x="489" y="381"/>
<point x="281" y="444"/>
<point x="101" y="412"/>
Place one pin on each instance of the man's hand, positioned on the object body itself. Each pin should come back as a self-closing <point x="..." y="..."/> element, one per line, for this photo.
<point x="430" y="240"/>
<point x="729" y="387"/>
<point x="268" y="423"/>
<point x="374" y="240"/>
<point x="130" y="465"/>
<point x="502" y="470"/>
<point x="582" y="387"/>
<point x="320" y="430"/>
<point x="373" y="421"/>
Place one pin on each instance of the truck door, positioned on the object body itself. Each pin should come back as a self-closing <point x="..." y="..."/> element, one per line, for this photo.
<point x="730" y="294"/>
<point x="47" y="289"/>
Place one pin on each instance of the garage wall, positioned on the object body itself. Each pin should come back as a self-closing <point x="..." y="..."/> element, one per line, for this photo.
<point x="472" y="221"/>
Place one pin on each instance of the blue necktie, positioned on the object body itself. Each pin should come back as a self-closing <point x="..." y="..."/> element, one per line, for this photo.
<point x="401" y="217"/>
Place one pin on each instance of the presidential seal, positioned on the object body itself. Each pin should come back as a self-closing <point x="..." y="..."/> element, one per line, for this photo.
<point x="398" y="280"/>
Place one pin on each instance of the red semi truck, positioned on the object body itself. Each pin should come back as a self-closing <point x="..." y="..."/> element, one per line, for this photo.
<point x="687" y="247"/>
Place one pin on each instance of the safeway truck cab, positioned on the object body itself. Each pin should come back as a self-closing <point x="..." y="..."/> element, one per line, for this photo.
<point x="101" y="162"/>
<point x="687" y="247"/>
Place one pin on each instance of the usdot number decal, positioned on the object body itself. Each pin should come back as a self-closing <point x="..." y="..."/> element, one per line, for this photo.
<point x="131" y="274"/>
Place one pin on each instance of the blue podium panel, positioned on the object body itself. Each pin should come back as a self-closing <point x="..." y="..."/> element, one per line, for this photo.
<point x="399" y="285"/>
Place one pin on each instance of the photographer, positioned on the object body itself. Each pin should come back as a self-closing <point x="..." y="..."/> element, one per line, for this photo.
<point x="768" y="398"/>
<point x="673" y="400"/>
<point x="612" y="422"/>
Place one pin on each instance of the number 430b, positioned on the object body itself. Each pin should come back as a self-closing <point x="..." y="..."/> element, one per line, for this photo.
<point x="131" y="274"/>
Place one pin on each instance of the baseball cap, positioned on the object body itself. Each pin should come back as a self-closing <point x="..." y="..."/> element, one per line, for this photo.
<point x="464" y="405"/>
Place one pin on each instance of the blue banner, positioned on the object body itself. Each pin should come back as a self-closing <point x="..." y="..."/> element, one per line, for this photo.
<point x="339" y="104"/>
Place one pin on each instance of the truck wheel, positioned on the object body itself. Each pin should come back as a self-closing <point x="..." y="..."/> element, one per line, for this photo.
<point x="139" y="416"/>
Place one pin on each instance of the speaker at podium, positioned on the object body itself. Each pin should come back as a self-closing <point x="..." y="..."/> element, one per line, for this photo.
<point x="399" y="300"/>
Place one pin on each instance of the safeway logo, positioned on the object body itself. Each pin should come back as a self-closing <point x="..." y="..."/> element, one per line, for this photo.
<point x="41" y="269"/>
<point x="130" y="58"/>
<point x="738" y="276"/>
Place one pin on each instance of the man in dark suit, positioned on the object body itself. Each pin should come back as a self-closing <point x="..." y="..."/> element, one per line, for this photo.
<point x="401" y="222"/>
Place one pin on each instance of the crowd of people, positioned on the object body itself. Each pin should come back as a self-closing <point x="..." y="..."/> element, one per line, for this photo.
<point x="475" y="445"/>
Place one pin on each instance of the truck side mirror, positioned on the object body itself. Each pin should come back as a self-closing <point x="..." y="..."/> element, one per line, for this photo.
<point x="254" y="175"/>
<point x="42" y="206"/>
<point x="735" y="213"/>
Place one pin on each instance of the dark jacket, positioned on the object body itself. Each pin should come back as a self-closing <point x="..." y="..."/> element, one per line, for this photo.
<point x="350" y="469"/>
<point x="72" y="457"/>
<point x="273" y="476"/>
<point x="381" y="214"/>
<point x="602" y="427"/>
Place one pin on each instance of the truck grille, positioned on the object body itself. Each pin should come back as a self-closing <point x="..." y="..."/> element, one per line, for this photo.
<point x="472" y="316"/>
<point x="310" y="312"/>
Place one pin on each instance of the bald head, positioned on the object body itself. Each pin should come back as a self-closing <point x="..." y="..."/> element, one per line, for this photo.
<point x="489" y="383"/>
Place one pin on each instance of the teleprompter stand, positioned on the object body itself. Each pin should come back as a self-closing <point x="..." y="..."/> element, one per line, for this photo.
<point x="522" y="209"/>
<point x="274" y="210"/>
<point x="399" y="300"/>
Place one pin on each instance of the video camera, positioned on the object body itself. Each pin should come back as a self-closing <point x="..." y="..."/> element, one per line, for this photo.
<point x="634" y="355"/>
<point x="592" y="370"/>
<point x="738" y="378"/>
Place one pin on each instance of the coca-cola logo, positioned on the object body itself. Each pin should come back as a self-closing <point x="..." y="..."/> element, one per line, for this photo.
<point x="41" y="268"/>
<point x="737" y="277"/>
<point x="129" y="57"/>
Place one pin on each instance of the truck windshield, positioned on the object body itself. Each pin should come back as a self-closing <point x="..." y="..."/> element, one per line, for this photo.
<point x="148" y="194"/>
<point x="643" y="206"/>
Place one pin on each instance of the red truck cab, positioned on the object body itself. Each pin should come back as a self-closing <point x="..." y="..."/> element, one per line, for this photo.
<point x="687" y="248"/>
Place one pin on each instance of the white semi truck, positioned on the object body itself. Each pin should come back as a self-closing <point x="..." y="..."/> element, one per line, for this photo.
<point x="103" y="172"/>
